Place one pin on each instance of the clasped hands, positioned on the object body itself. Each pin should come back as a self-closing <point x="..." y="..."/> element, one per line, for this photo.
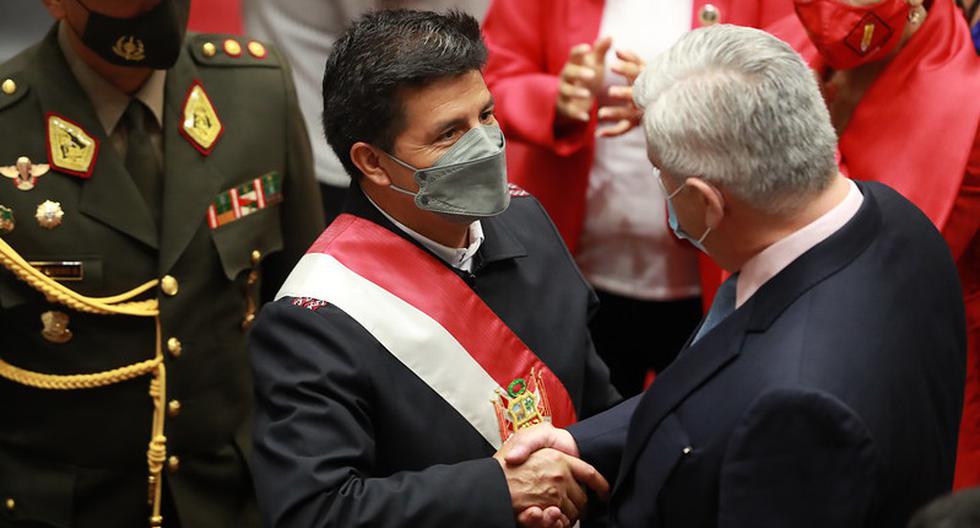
<point x="581" y="81"/>
<point x="546" y="479"/>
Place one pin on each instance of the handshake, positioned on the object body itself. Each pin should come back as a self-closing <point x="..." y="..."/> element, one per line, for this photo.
<point x="546" y="479"/>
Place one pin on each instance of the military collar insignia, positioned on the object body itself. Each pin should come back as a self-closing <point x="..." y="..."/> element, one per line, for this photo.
<point x="199" y="123"/>
<point x="24" y="173"/>
<point x="70" y="148"/>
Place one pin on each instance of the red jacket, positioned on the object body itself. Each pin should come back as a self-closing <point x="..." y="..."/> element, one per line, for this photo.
<point x="529" y="44"/>
<point x="916" y="129"/>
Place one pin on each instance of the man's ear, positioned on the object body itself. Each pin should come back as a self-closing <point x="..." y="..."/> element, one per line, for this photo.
<point x="712" y="200"/>
<point x="368" y="160"/>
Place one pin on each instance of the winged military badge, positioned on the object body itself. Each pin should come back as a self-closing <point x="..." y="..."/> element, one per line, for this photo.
<point x="524" y="404"/>
<point x="70" y="148"/>
<point x="199" y="121"/>
<point x="24" y="173"/>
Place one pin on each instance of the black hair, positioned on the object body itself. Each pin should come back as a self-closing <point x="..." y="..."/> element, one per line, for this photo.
<point x="380" y="54"/>
<point x="959" y="510"/>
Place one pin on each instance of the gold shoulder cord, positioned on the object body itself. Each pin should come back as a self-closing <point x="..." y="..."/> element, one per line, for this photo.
<point x="116" y="305"/>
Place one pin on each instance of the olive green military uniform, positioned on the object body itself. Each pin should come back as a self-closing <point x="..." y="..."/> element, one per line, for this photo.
<point x="78" y="458"/>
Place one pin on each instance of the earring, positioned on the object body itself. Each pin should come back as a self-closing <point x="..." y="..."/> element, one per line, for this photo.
<point x="915" y="15"/>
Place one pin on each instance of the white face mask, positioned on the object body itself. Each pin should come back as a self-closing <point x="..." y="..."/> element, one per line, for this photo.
<point x="469" y="180"/>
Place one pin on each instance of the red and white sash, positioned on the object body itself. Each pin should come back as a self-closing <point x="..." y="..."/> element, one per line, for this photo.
<point x="432" y="322"/>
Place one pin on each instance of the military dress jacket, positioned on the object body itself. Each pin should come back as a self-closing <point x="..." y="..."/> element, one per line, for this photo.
<point x="78" y="458"/>
<point x="347" y="435"/>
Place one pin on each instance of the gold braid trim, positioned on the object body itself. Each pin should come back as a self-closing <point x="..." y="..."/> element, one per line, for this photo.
<point x="115" y="305"/>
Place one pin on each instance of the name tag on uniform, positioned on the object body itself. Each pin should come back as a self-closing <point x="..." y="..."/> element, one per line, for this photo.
<point x="64" y="271"/>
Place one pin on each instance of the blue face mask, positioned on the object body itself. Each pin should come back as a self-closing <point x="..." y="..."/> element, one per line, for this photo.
<point x="675" y="226"/>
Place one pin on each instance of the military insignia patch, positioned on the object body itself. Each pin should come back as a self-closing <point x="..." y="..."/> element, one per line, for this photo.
<point x="70" y="148"/>
<point x="237" y="202"/>
<point x="24" y="173"/>
<point x="199" y="122"/>
<point x="6" y="220"/>
<point x="524" y="404"/>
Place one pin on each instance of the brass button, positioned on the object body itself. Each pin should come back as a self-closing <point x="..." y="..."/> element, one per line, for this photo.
<point x="687" y="450"/>
<point x="233" y="48"/>
<point x="256" y="49"/>
<point x="169" y="285"/>
<point x="173" y="408"/>
<point x="9" y="87"/>
<point x="174" y="347"/>
<point x="256" y="256"/>
<point x="253" y="277"/>
<point x="173" y="464"/>
<point x="11" y="504"/>
<point x="248" y="321"/>
<point x="209" y="49"/>
<point x="708" y="15"/>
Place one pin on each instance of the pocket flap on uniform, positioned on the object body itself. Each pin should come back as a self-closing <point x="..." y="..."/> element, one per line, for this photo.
<point x="35" y="495"/>
<point x="258" y="234"/>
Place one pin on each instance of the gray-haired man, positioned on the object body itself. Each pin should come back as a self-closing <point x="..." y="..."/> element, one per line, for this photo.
<point x="824" y="386"/>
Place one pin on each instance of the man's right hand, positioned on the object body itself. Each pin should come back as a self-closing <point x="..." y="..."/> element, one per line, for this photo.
<point x="546" y="478"/>
<point x="581" y="79"/>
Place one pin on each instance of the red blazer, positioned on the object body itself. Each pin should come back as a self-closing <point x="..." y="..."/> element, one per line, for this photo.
<point x="529" y="44"/>
<point x="917" y="128"/>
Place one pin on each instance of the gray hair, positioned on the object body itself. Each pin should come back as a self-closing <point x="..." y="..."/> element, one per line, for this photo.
<point x="740" y="109"/>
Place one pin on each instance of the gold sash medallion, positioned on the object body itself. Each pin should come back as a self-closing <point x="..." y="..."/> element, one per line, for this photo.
<point x="70" y="148"/>
<point x="200" y="123"/>
<point x="129" y="48"/>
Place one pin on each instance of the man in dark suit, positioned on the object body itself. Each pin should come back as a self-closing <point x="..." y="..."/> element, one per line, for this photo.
<point x="440" y="313"/>
<point x="825" y="384"/>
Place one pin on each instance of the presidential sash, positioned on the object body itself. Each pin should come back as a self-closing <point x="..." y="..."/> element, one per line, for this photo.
<point x="433" y="323"/>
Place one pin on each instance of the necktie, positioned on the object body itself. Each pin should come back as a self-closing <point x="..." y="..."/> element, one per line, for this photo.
<point x="141" y="158"/>
<point x="721" y="307"/>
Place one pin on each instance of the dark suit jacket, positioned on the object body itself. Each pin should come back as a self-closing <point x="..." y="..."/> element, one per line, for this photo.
<point x="831" y="398"/>
<point x="346" y="435"/>
<point x="78" y="458"/>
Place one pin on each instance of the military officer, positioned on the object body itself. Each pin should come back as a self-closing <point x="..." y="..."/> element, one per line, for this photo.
<point x="155" y="186"/>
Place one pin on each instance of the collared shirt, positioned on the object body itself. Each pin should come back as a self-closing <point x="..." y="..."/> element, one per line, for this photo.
<point x="459" y="258"/>
<point x="110" y="103"/>
<point x="770" y="261"/>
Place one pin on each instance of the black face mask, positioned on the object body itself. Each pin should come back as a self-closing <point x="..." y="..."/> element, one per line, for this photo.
<point x="150" y="40"/>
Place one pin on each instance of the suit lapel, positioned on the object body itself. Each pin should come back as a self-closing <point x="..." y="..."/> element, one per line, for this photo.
<point x="690" y="370"/>
<point x="191" y="183"/>
<point x="110" y="184"/>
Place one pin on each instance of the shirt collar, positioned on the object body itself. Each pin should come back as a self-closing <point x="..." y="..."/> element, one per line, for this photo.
<point x="109" y="102"/>
<point x="459" y="258"/>
<point x="770" y="261"/>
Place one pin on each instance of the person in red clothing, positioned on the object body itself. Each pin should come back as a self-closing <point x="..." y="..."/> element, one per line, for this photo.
<point x="559" y="68"/>
<point x="900" y="78"/>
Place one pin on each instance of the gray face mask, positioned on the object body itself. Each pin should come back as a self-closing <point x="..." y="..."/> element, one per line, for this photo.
<point x="469" y="180"/>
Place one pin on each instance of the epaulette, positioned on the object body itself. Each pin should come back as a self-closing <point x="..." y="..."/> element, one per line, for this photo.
<point x="13" y="88"/>
<point x="210" y="49"/>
